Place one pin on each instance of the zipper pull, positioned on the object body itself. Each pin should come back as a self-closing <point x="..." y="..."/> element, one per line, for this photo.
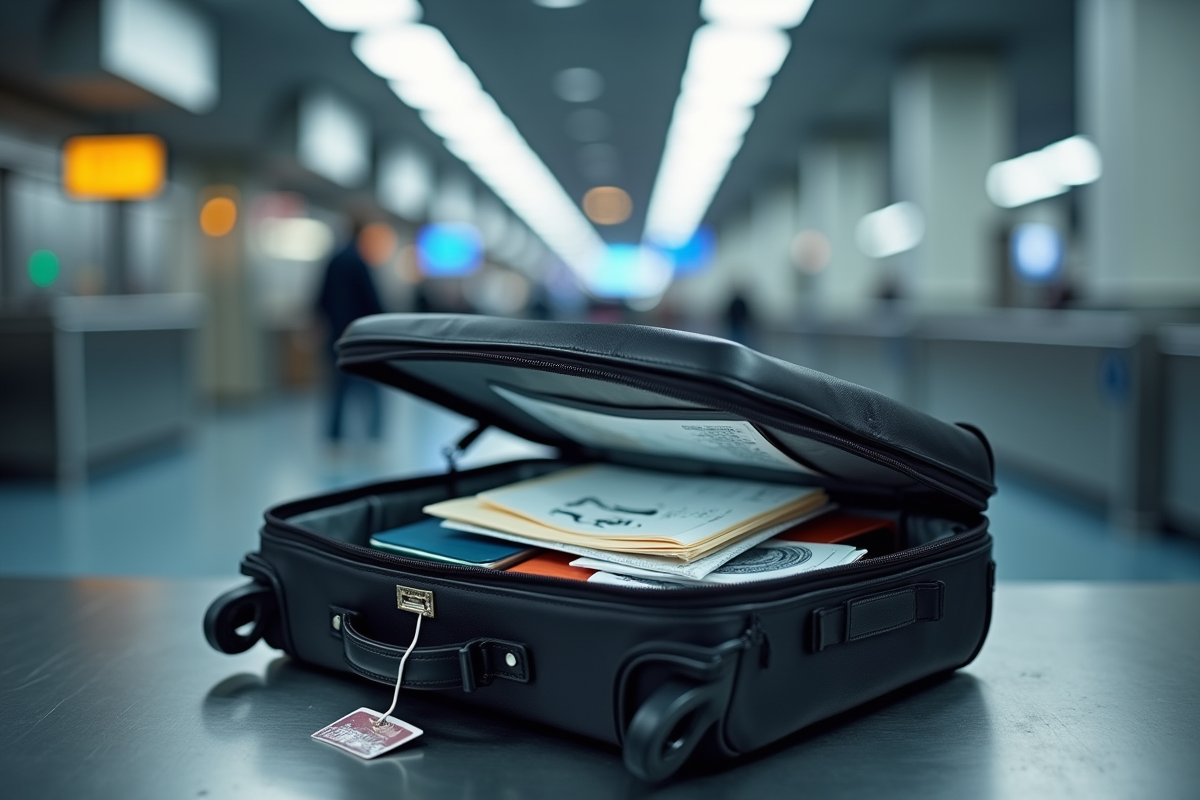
<point x="756" y="637"/>
<point x="454" y="453"/>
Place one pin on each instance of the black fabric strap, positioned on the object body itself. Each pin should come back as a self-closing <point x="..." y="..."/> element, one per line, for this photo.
<point x="468" y="665"/>
<point x="874" y="614"/>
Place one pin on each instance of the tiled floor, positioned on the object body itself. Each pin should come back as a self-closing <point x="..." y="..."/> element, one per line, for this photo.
<point x="194" y="510"/>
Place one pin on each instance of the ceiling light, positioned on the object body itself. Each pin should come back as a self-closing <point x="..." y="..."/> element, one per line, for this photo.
<point x="418" y="53"/>
<point x="405" y="181"/>
<point x="1074" y="161"/>
<point x="578" y="85"/>
<point x="717" y="89"/>
<point x="1043" y="173"/>
<point x="360" y="15"/>
<point x="607" y="205"/>
<point x="332" y="138"/>
<point x="756" y="13"/>
<point x="558" y="3"/>
<point x="295" y="239"/>
<point x="729" y="69"/>
<point x="1020" y="181"/>
<point x="450" y="89"/>
<point x="895" y="229"/>
<point x="166" y="47"/>
<point x="736" y="53"/>
<point x="427" y="74"/>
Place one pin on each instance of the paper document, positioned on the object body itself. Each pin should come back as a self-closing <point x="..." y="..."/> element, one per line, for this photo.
<point x="607" y="501"/>
<point x="775" y="558"/>
<point x="725" y="441"/>
<point x="663" y="566"/>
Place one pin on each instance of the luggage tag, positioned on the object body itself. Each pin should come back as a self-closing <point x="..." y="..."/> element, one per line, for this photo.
<point x="367" y="733"/>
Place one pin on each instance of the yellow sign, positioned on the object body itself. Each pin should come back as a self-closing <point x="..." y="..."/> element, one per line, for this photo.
<point x="131" y="167"/>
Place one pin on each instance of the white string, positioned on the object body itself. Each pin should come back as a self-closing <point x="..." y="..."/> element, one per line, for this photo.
<point x="400" y="675"/>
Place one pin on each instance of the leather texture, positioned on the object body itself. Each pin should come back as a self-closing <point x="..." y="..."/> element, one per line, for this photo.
<point x="711" y="364"/>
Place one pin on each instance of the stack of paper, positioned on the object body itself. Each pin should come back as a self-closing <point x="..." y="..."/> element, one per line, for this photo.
<point x="621" y="510"/>
<point x="774" y="558"/>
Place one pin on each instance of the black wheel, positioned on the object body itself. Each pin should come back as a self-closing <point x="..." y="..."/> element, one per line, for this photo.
<point x="225" y="623"/>
<point x="668" y="726"/>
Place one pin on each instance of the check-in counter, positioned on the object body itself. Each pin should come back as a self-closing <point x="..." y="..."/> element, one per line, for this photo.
<point x="1180" y="347"/>
<point x="1067" y="396"/>
<point x="86" y="380"/>
<point x="1061" y="396"/>
<point x="875" y="352"/>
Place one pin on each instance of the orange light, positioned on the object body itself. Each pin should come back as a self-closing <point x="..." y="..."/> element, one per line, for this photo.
<point x="377" y="243"/>
<point x="607" y="205"/>
<point x="218" y="216"/>
<point x="130" y="167"/>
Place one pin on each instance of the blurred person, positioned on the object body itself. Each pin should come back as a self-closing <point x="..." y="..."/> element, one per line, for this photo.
<point x="739" y="318"/>
<point x="347" y="293"/>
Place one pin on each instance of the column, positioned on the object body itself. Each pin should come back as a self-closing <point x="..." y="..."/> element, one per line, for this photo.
<point x="951" y="119"/>
<point x="841" y="179"/>
<point x="1138" y="73"/>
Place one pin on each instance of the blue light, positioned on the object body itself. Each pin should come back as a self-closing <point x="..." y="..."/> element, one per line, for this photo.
<point x="1037" y="251"/>
<point x="448" y="250"/>
<point x="630" y="271"/>
<point x="695" y="254"/>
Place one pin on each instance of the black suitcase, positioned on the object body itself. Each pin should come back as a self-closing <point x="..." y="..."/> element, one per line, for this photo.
<point x="662" y="674"/>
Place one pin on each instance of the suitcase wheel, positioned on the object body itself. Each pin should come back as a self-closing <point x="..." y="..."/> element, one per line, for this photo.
<point x="667" y="727"/>
<point x="225" y="624"/>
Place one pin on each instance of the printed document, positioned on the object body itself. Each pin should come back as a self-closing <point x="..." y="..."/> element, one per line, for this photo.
<point x="731" y="441"/>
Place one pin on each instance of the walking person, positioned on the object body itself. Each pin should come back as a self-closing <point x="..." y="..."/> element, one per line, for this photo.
<point x="347" y="293"/>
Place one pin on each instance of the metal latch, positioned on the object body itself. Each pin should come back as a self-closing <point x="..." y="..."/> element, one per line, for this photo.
<point x="419" y="601"/>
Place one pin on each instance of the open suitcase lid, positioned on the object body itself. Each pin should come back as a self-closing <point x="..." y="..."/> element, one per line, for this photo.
<point x="662" y="398"/>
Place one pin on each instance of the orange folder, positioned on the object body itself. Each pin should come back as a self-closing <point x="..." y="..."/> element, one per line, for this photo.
<point x="555" y="565"/>
<point x="876" y="536"/>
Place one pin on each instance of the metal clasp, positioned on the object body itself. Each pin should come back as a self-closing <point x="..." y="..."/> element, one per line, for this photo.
<point x="418" y="601"/>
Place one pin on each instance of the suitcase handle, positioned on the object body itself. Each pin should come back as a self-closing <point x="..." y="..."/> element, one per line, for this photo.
<point x="467" y="665"/>
<point x="874" y="614"/>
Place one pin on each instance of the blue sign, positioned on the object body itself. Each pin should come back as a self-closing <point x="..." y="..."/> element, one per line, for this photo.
<point x="693" y="255"/>
<point x="448" y="250"/>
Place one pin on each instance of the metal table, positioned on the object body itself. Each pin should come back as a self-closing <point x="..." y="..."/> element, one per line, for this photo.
<point x="109" y="690"/>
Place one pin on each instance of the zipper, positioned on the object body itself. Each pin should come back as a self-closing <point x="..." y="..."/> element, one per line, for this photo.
<point x="360" y="554"/>
<point x="824" y="436"/>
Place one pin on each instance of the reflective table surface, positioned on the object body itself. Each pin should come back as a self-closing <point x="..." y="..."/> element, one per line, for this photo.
<point x="109" y="691"/>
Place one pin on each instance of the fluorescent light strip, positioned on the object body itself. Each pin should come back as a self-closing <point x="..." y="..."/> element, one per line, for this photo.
<point x="426" y="73"/>
<point x="729" y="69"/>
<point x="359" y="15"/>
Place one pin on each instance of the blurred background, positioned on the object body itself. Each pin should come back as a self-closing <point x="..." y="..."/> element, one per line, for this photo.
<point x="988" y="210"/>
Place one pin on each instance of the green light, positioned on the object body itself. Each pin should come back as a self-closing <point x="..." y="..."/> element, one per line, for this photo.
<point x="43" y="268"/>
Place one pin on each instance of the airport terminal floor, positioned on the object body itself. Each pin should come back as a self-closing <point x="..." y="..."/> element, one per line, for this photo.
<point x="193" y="510"/>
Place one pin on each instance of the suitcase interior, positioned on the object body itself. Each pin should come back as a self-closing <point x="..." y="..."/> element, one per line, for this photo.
<point x="389" y="505"/>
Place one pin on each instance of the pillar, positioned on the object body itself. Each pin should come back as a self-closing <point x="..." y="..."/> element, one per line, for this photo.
<point x="1138" y="72"/>
<point x="951" y="120"/>
<point x="841" y="179"/>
